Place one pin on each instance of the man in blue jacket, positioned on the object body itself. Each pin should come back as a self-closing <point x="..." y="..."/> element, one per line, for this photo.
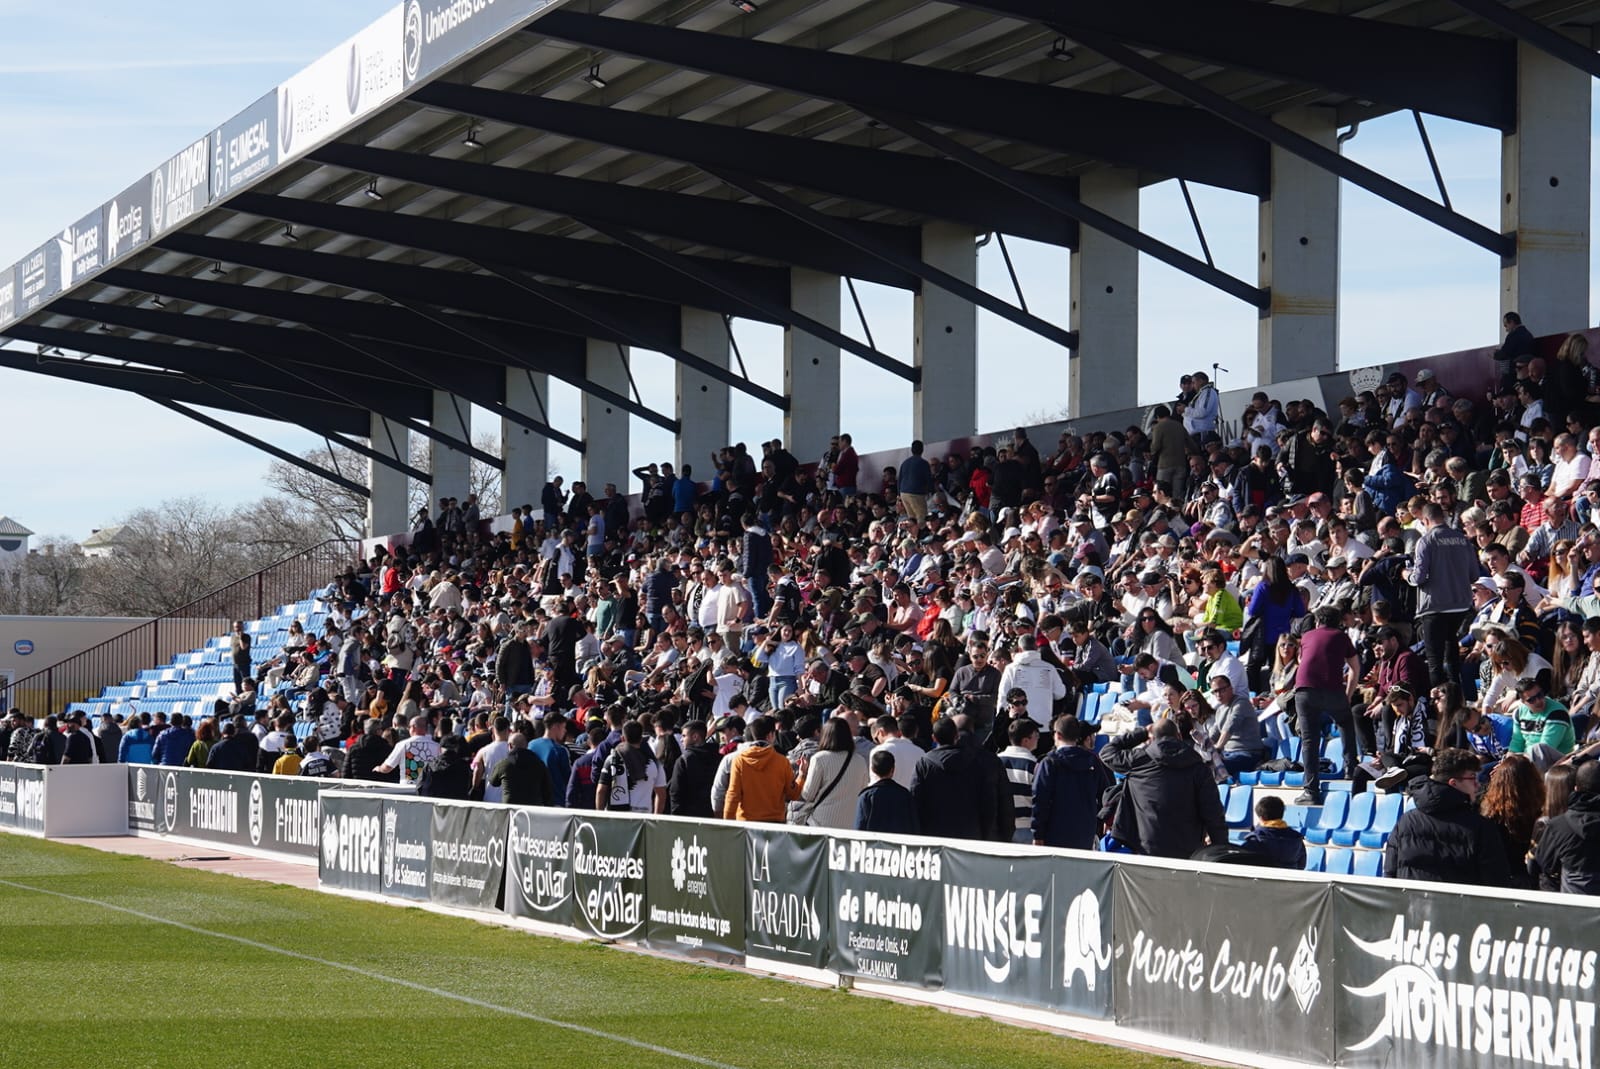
<point x="173" y="745"/>
<point x="1067" y="788"/>
<point x="884" y="805"/>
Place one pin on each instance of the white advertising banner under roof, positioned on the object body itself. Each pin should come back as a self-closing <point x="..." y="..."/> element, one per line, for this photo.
<point x="343" y="87"/>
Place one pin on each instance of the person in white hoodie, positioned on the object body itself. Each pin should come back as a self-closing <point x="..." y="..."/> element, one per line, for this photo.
<point x="1038" y="679"/>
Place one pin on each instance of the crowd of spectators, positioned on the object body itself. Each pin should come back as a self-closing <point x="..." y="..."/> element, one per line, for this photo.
<point x="1412" y="574"/>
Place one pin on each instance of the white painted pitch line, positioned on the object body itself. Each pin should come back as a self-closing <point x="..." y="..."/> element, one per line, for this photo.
<point x="381" y="977"/>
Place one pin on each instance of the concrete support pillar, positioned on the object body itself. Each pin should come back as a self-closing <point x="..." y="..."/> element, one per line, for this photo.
<point x="1544" y="187"/>
<point x="451" y="469"/>
<point x="388" y="506"/>
<point x="605" y="426"/>
<point x="944" y="404"/>
<point x="1103" y="374"/>
<point x="1299" y="234"/>
<point x="811" y="366"/>
<point x="526" y="453"/>
<point x="702" y="400"/>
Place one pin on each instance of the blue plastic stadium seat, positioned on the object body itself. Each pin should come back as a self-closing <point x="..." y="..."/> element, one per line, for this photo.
<point x="1357" y="820"/>
<point x="1368" y="863"/>
<point x="1270" y="779"/>
<point x="1337" y="861"/>
<point x="1295" y="816"/>
<point x="1385" y="814"/>
<point x="1222" y="794"/>
<point x="1333" y="751"/>
<point x="1314" y="858"/>
<point x="1329" y="817"/>
<point x="1237" y="811"/>
<point x="1249" y="779"/>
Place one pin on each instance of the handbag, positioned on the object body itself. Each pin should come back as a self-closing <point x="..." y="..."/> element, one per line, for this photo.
<point x="806" y="813"/>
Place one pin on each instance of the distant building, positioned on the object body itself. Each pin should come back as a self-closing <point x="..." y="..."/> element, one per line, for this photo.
<point x="13" y="540"/>
<point x="104" y="542"/>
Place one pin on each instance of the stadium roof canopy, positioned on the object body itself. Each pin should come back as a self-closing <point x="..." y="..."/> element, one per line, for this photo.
<point x="474" y="185"/>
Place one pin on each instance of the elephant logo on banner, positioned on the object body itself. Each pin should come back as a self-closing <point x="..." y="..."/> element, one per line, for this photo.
<point x="1082" y="950"/>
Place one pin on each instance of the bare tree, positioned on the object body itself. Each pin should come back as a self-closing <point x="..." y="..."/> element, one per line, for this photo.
<point x="339" y="512"/>
<point x="47" y="582"/>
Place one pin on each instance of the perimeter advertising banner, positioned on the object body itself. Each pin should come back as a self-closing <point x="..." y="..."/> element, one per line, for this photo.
<point x="437" y="32"/>
<point x="887" y="910"/>
<point x="1029" y="929"/>
<point x="128" y="219"/>
<point x="608" y="881"/>
<point x="1243" y="962"/>
<point x="341" y="88"/>
<point x="180" y="189"/>
<point x="277" y="813"/>
<point x="245" y="147"/>
<point x="538" y="865"/>
<point x="38" y="278"/>
<point x="788" y="904"/>
<point x="22" y="798"/>
<point x="469" y="856"/>
<point x="352" y="843"/>
<point x="82" y="251"/>
<point x="407" y="848"/>
<point x="1439" y="979"/>
<point x="697" y="898"/>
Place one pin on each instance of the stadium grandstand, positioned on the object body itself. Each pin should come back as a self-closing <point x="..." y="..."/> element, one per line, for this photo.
<point x="1345" y="624"/>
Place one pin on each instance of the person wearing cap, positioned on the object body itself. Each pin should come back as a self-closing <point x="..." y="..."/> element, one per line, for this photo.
<point x="1541" y="726"/>
<point x="1307" y="459"/>
<point x="1338" y="588"/>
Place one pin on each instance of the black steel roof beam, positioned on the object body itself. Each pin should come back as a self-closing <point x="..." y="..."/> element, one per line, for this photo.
<point x="416" y="327"/>
<point x="490" y="297"/>
<point x="920" y="184"/>
<point x="775" y="311"/>
<point x="313" y="414"/>
<point x="1545" y="38"/>
<point x="845" y="230"/>
<point x="1161" y="138"/>
<point x="274" y="348"/>
<point x="1471" y="79"/>
<point x="745" y="228"/>
<point x="222" y="365"/>
<point x="494" y="404"/>
<point x="630" y="321"/>
<point x="579" y="303"/>
<point x="1503" y="245"/>
<point x="1049" y="196"/>
<point x="265" y="447"/>
<point x="579" y="378"/>
<point x="587" y="262"/>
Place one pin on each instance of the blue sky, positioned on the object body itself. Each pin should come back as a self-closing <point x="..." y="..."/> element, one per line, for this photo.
<point x="93" y="94"/>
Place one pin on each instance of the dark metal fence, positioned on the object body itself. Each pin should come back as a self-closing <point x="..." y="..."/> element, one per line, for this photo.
<point x="188" y="627"/>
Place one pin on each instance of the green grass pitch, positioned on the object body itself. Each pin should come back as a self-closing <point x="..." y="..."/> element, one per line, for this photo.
<point x="82" y="984"/>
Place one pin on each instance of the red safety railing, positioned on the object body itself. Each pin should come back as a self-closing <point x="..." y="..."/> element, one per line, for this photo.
<point x="155" y="642"/>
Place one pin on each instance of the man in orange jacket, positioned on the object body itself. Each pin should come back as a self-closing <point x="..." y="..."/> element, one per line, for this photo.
<point x="761" y="783"/>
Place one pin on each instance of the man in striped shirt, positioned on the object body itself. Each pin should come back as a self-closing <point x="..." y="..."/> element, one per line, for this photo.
<point x="1019" y="764"/>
